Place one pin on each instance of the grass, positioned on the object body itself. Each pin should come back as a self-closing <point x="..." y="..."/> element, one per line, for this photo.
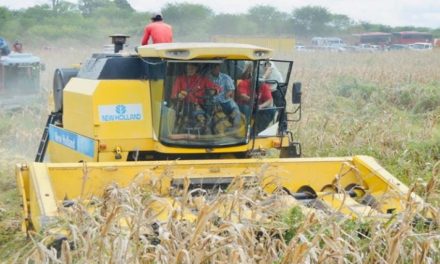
<point x="386" y="105"/>
<point x="122" y="229"/>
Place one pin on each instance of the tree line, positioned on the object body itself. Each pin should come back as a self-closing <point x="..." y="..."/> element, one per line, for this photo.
<point x="93" y="20"/>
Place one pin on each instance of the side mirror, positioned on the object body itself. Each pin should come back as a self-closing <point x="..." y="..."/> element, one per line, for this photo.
<point x="296" y="93"/>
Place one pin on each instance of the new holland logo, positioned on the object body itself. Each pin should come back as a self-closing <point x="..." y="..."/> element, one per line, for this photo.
<point x="121" y="109"/>
<point x="121" y="112"/>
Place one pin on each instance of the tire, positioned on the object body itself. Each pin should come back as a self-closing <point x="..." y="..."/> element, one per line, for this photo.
<point x="60" y="79"/>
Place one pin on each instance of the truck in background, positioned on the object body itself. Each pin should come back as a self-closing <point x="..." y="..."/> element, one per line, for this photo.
<point x="381" y="39"/>
<point x="411" y="37"/>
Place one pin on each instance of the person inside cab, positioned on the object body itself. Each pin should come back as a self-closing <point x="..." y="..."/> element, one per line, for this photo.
<point x="224" y="99"/>
<point x="191" y="91"/>
<point x="273" y="77"/>
<point x="203" y="101"/>
<point x="191" y="86"/>
<point x="271" y="73"/>
<point x="264" y="105"/>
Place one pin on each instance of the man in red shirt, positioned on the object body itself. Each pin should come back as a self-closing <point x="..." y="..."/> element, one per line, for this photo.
<point x="190" y="92"/>
<point x="158" y="31"/>
<point x="265" y="99"/>
<point x="191" y="87"/>
<point x="266" y="112"/>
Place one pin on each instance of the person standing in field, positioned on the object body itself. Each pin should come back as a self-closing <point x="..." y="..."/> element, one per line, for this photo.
<point x="17" y="47"/>
<point x="4" y="48"/>
<point x="158" y="31"/>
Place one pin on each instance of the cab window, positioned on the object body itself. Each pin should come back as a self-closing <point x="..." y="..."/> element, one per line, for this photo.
<point x="202" y="106"/>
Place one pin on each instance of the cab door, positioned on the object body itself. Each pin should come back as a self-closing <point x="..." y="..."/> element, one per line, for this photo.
<point x="274" y="74"/>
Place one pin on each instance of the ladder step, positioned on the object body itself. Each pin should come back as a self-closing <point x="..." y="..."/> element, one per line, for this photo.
<point x="44" y="138"/>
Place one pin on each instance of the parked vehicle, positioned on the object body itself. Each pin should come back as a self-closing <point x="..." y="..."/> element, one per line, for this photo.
<point x="398" y="47"/>
<point x="374" y="38"/>
<point x="420" y="46"/>
<point x="328" y="43"/>
<point x="367" y="48"/>
<point x="411" y="37"/>
<point x="302" y="48"/>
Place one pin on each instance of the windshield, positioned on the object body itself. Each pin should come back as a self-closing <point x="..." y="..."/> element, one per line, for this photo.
<point x="201" y="106"/>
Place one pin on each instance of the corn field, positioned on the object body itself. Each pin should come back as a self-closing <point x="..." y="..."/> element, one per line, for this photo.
<point x="238" y="226"/>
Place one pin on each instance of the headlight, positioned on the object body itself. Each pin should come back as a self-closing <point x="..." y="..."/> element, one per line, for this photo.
<point x="260" y="53"/>
<point x="178" y="53"/>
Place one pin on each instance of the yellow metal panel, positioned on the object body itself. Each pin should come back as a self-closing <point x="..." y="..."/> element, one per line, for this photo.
<point x="111" y="156"/>
<point x="84" y="101"/>
<point x="377" y="177"/>
<point x="389" y="200"/>
<point x="126" y="145"/>
<point x="91" y="180"/>
<point x="205" y="50"/>
<point x="384" y="187"/>
<point x="73" y="180"/>
<point x="113" y="93"/>
<point x="157" y="90"/>
<point x="43" y="204"/>
<point x="260" y="143"/>
<point x="348" y="206"/>
<point x="78" y="106"/>
<point x="59" y="153"/>
<point x="84" y="87"/>
<point x="179" y="150"/>
<point x="291" y="173"/>
<point x="22" y="177"/>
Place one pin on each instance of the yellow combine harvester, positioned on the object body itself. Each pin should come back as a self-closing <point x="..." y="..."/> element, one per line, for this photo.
<point x="164" y="113"/>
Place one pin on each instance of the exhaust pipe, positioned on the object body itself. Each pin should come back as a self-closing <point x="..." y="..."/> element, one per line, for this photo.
<point x="118" y="40"/>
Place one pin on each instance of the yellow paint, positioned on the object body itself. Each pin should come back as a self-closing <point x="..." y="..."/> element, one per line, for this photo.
<point x="60" y="153"/>
<point x="76" y="180"/>
<point x="84" y="101"/>
<point x="205" y="50"/>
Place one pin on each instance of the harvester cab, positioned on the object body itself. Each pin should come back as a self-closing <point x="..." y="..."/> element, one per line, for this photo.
<point x="167" y="102"/>
<point x="189" y="115"/>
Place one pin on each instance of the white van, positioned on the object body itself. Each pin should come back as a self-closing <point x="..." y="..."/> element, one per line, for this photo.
<point x="328" y="43"/>
<point x="420" y="46"/>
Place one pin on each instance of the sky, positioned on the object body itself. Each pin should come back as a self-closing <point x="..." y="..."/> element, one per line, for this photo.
<point x="422" y="13"/>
